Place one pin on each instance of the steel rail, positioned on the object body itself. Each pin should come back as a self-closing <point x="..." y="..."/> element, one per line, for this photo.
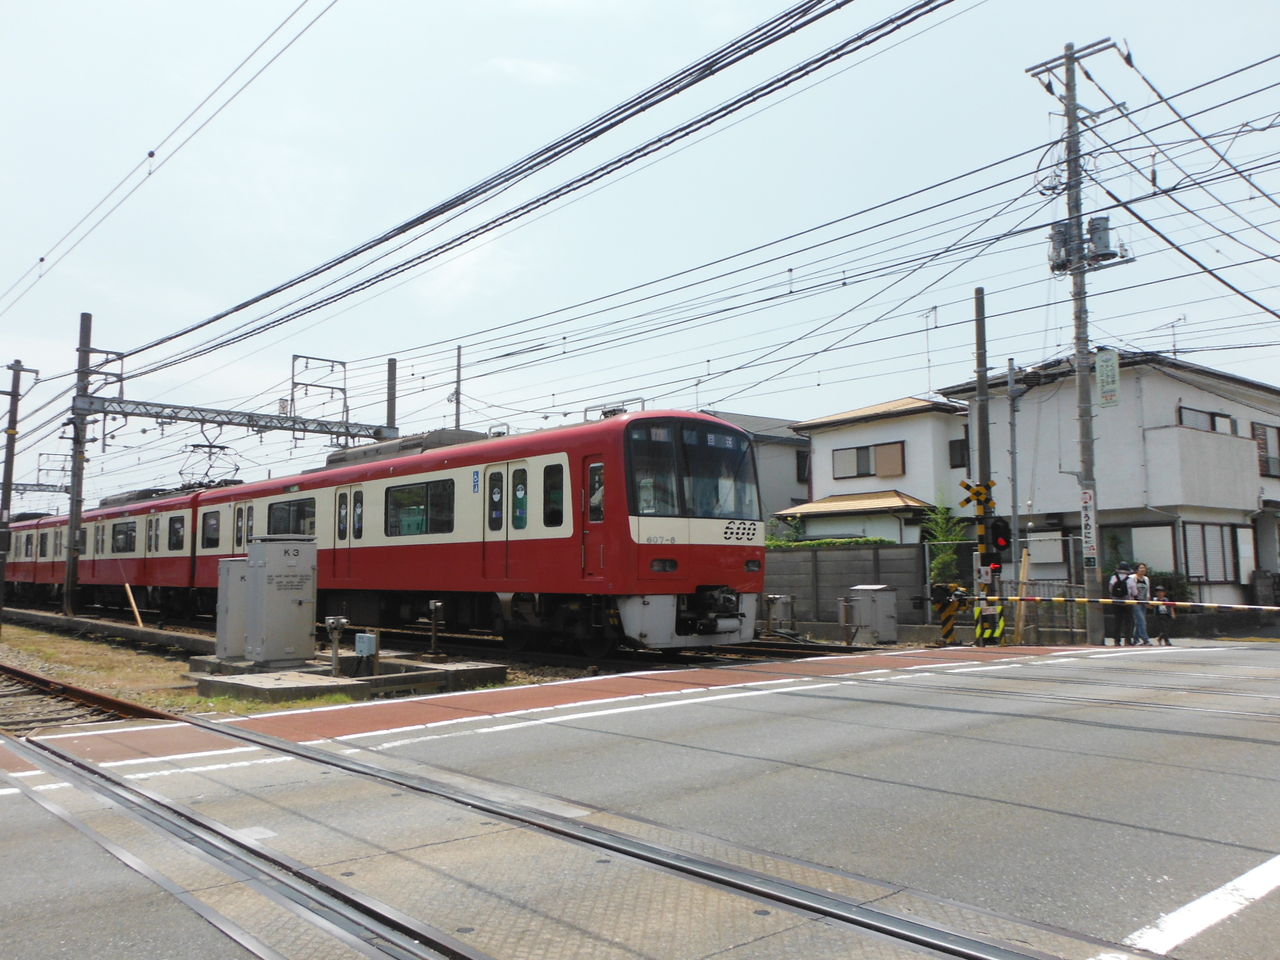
<point x="89" y="698"/>
<point x="375" y="924"/>
<point x="718" y="873"/>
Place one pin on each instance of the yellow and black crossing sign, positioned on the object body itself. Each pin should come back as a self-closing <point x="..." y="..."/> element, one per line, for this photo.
<point x="979" y="493"/>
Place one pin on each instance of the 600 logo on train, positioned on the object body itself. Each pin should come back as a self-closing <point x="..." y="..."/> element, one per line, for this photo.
<point x="574" y="535"/>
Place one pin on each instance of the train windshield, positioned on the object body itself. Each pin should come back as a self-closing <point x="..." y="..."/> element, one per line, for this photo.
<point x="691" y="469"/>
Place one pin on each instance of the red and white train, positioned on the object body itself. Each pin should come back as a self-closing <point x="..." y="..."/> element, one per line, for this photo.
<point x="642" y="529"/>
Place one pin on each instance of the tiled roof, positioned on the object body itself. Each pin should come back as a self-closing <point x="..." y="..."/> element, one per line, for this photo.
<point x="773" y="427"/>
<point x="879" y="501"/>
<point x="907" y="406"/>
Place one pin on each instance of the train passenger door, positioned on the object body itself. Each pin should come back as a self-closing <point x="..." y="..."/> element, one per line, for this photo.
<point x="242" y="527"/>
<point x="593" y="534"/>
<point x="348" y="529"/>
<point x="495" y="520"/>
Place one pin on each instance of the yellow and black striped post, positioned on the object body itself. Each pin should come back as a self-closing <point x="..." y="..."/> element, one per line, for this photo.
<point x="988" y="622"/>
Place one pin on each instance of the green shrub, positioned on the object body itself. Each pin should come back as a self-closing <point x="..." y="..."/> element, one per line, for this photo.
<point x="775" y="544"/>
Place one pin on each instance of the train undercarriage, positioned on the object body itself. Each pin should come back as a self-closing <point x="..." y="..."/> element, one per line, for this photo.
<point x="594" y="624"/>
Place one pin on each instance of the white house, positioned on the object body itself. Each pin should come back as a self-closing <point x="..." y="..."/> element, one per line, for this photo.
<point x="1187" y="464"/>
<point x="875" y="471"/>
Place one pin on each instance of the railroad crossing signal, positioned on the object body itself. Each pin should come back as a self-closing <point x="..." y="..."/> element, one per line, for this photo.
<point x="999" y="538"/>
<point x="979" y="493"/>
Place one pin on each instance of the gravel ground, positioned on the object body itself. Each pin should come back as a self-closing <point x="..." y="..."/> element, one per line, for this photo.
<point x="157" y="679"/>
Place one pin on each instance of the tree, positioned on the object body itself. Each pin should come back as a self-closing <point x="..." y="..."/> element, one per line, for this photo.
<point x="944" y="528"/>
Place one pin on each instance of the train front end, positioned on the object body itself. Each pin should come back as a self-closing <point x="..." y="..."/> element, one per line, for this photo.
<point x="694" y="507"/>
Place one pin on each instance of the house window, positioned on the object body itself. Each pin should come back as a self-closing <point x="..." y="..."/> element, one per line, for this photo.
<point x="879" y="460"/>
<point x="1206" y="420"/>
<point x="958" y="453"/>
<point x="1267" y="438"/>
<point x="802" y="466"/>
<point x="1210" y="549"/>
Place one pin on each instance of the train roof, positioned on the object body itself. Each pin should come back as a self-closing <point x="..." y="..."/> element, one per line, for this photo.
<point x="466" y="452"/>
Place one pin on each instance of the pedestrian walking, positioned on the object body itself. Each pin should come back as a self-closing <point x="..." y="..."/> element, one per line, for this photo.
<point x="1140" y="589"/>
<point x="1162" y="615"/>
<point x="1121" y="615"/>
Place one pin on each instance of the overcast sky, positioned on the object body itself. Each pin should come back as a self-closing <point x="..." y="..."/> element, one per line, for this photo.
<point x="381" y="109"/>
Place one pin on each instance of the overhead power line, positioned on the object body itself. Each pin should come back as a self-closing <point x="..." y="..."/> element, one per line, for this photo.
<point x="45" y="265"/>
<point x="792" y="19"/>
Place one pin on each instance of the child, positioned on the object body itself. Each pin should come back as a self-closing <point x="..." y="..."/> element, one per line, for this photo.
<point x="1162" y="612"/>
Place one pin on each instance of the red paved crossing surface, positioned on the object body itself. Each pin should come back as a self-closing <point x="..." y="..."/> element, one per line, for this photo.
<point x="125" y="741"/>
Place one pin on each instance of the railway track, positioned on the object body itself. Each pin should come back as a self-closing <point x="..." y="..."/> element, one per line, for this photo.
<point x="29" y="702"/>
<point x="380" y="928"/>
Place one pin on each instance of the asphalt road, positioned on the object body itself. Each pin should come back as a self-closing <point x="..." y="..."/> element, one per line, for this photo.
<point x="1115" y="793"/>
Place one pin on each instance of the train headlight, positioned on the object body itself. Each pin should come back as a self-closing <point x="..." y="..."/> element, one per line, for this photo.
<point x="662" y="565"/>
<point x="753" y="566"/>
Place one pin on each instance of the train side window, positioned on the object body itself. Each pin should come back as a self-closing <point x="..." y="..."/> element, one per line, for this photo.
<point x="177" y="532"/>
<point x="419" y="508"/>
<point x="31" y="539"/>
<point x="519" y="499"/>
<point x="495" y="500"/>
<point x="57" y="543"/>
<point x="292" y="516"/>
<point x="357" y="514"/>
<point x="44" y="545"/>
<point x="210" y="532"/>
<point x="553" y="495"/>
<point x="99" y="539"/>
<point x="239" y="526"/>
<point x="124" y="537"/>
<point x="342" y="516"/>
<point x="595" y="492"/>
<point x="248" y="523"/>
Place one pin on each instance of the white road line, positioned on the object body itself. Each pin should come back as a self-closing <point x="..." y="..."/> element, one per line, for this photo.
<point x="177" y="756"/>
<point x="1182" y="924"/>
<point x="998" y="666"/>
<point x="592" y="714"/>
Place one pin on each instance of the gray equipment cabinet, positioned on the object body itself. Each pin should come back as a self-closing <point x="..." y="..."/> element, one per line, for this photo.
<point x="281" y="617"/>
<point x="869" y="614"/>
<point x="233" y="604"/>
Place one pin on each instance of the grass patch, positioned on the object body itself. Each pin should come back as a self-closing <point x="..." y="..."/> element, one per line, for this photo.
<point x="121" y="669"/>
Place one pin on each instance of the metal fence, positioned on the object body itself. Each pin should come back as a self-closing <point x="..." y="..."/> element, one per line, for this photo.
<point x="1045" y="616"/>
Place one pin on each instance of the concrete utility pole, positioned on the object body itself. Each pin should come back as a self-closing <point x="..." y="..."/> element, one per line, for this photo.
<point x="391" y="391"/>
<point x="457" y="392"/>
<point x="78" y="424"/>
<point x="6" y="485"/>
<point x="1014" y="393"/>
<point x="1077" y="256"/>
